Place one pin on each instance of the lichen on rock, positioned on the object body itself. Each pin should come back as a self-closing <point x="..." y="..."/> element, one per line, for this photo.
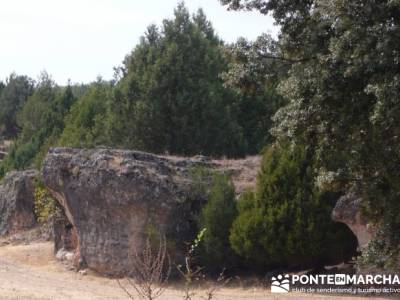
<point x="348" y="210"/>
<point x="111" y="198"/>
<point x="17" y="201"/>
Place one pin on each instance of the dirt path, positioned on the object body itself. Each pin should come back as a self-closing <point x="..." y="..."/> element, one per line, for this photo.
<point x="31" y="272"/>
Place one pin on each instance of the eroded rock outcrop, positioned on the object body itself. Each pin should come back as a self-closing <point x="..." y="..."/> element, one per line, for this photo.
<point x="348" y="211"/>
<point x="17" y="201"/>
<point x="111" y="198"/>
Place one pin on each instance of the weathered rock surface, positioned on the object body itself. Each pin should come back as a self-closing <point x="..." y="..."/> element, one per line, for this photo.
<point x="65" y="236"/>
<point x="348" y="211"/>
<point x="243" y="171"/>
<point x="111" y="198"/>
<point x="17" y="202"/>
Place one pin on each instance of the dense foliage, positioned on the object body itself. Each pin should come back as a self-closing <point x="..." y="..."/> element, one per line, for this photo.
<point x="45" y="205"/>
<point x="216" y="218"/>
<point x="325" y="93"/>
<point x="255" y="79"/>
<point x="286" y="222"/>
<point x="13" y="95"/>
<point x="41" y="121"/>
<point x="342" y="88"/>
<point x="167" y="97"/>
<point x="171" y="98"/>
<point x="85" y="125"/>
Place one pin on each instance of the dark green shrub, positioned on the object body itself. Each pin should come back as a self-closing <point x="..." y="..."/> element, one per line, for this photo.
<point x="286" y="222"/>
<point x="216" y="218"/>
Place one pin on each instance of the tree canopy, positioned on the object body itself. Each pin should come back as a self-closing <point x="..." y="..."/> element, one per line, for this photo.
<point x="168" y="96"/>
<point x="171" y="98"/>
<point x="41" y="120"/>
<point x="322" y="99"/>
<point x="13" y="95"/>
<point x="342" y="88"/>
<point x="286" y="222"/>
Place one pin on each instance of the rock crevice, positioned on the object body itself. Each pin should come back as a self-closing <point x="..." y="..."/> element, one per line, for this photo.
<point x="112" y="198"/>
<point x="348" y="210"/>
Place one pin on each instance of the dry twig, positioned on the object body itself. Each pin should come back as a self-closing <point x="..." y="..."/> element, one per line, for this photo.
<point x="151" y="270"/>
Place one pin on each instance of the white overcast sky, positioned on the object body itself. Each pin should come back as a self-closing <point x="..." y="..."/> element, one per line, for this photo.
<point x="81" y="39"/>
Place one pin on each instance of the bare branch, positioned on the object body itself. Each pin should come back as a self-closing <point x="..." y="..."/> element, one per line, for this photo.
<point x="151" y="271"/>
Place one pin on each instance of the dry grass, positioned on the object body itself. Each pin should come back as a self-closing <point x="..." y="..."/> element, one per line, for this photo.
<point x="244" y="171"/>
<point x="31" y="272"/>
<point x="151" y="270"/>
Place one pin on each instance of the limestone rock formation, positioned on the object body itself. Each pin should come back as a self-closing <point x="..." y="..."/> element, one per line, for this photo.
<point x="111" y="198"/>
<point x="348" y="211"/>
<point x="17" y="202"/>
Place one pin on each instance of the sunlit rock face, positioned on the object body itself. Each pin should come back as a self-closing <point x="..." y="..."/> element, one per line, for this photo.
<point x="112" y="198"/>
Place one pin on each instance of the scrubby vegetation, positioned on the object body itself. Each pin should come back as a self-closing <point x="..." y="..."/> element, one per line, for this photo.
<point x="40" y="121"/>
<point x="216" y="218"/>
<point x="322" y="100"/>
<point x="342" y="87"/>
<point x="168" y="97"/>
<point x="286" y="222"/>
<point x="45" y="205"/>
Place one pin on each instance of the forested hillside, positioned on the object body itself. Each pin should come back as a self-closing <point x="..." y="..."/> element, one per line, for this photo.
<point x="320" y="103"/>
<point x="167" y="97"/>
<point x="341" y="80"/>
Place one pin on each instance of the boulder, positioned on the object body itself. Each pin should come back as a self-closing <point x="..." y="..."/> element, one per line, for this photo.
<point x="17" y="202"/>
<point x="112" y="198"/>
<point x="348" y="211"/>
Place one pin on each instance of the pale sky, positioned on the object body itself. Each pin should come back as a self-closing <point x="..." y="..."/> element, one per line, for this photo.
<point x="82" y="39"/>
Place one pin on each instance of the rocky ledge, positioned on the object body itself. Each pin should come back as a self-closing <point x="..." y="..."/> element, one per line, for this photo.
<point x="112" y="198"/>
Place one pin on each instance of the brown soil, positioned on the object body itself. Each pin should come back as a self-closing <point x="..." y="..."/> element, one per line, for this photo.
<point x="29" y="271"/>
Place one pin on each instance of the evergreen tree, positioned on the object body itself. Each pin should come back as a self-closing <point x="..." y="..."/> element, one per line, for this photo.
<point x="41" y="123"/>
<point x="343" y="91"/>
<point x="286" y="223"/>
<point x="258" y="98"/>
<point x="216" y="218"/>
<point x="13" y="96"/>
<point x="171" y="98"/>
<point x="87" y="121"/>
